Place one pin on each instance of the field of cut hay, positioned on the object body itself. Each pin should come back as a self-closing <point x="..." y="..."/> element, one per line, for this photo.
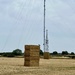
<point x="14" y="66"/>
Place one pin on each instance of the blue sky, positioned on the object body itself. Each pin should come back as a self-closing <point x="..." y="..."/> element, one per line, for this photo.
<point x="21" y="23"/>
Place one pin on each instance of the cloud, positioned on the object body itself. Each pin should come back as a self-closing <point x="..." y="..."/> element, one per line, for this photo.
<point x="26" y="17"/>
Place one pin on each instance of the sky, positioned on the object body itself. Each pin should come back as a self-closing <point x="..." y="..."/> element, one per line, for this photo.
<point x="21" y="23"/>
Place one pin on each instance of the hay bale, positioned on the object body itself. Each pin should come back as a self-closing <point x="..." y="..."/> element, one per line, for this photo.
<point x="31" y="58"/>
<point x="32" y="48"/>
<point x="31" y="55"/>
<point x="46" y="55"/>
<point x="32" y="63"/>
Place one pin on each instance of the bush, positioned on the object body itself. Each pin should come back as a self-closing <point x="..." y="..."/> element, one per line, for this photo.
<point x="41" y="52"/>
<point x="8" y="54"/>
<point x="11" y="55"/>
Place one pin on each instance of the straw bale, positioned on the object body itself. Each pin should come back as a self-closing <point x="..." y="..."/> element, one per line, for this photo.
<point x="32" y="63"/>
<point x="28" y="53"/>
<point x="46" y="55"/>
<point x="35" y="47"/>
<point x="32" y="47"/>
<point x="32" y="50"/>
<point x="31" y="55"/>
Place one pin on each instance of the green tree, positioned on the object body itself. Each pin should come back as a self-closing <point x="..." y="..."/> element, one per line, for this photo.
<point x="65" y="53"/>
<point x="55" y="53"/>
<point x="17" y="52"/>
<point x="72" y="53"/>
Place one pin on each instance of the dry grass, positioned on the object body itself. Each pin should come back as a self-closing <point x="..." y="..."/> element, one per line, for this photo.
<point x="14" y="66"/>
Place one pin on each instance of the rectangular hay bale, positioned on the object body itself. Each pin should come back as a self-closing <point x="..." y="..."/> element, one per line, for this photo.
<point x="46" y="55"/>
<point x="32" y="47"/>
<point x="32" y="63"/>
<point x="28" y="53"/>
<point x="31" y="58"/>
<point x="32" y="50"/>
<point x="31" y="55"/>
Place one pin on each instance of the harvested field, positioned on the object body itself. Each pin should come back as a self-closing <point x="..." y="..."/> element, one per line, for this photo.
<point x="14" y="66"/>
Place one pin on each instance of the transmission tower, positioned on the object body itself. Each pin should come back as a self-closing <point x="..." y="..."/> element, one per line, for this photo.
<point x="44" y="25"/>
<point x="47" y="42"/>
<point x="46" y="47"/>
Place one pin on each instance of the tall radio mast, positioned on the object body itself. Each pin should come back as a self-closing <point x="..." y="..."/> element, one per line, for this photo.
<point x="44" y="25"/>
<point x="46" y="47"/>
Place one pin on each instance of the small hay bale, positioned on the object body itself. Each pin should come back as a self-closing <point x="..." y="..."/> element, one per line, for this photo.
<point x="32" y="47"/>
<point x="31" y="58"/>
<point x="46" y="55"/>
<point x="31" y="54"/>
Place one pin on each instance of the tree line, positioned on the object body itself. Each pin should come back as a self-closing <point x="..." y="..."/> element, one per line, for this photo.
<point x="18" y="52"/>
<point x="63" y="53"/>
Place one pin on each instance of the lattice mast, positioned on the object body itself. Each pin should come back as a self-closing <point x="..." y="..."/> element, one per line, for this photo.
<point x="44" y="26"/>
<point x="47" y="42"/>
<point x="46" y="47"/>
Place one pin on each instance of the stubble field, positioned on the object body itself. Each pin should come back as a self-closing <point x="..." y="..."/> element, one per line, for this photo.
<point x="14" y="66"/>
